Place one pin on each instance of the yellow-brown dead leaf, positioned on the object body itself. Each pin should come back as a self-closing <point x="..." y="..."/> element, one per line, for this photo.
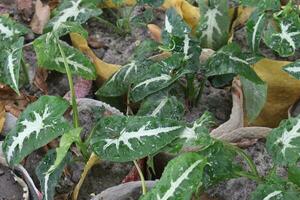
<point x="283" y="91"/>
<point x="2" y="115"/>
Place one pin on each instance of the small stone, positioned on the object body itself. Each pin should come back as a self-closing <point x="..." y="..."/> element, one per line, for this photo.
<point x="2" y="172"/>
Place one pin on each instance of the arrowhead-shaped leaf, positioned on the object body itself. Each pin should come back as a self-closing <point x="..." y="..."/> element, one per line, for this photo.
<point x="10" y="30"/>
<point x="163" y="106"/>
<point x="10" y="64"/>
<point x="49" y="178"/>
<point x="40" y="123"/>
<point x="73" y="10"/>
<point x="229" y="60"/>
<point x="213" y="27"/>
<point x="180" y="179"/>
<point x="255" y="27"/>
<point x="120" y="138"/>
<point x="49" y="56"/>
<point x="283" y="142"/>
<point x="293" y="69"/>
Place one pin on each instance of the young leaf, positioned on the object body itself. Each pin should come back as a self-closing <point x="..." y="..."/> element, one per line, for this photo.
<point x="255" y="96"/>
<point x="180" y="178"/>
<point x="283" y="143"/>
<point x="10" y="30"/>
<point x="294" y="174"/>
<point x="49" y="56"/>
<point x="162" y="106"/>
<point x="255" y="26"/>
<point x="213" y="27"/>
<point x="38" y="124"/>
<point x="72" y="10"/>
<point x="10" y="65"/>
<point x="287" y="40"/>
<point x="121" y="139"/>
<point x="293" y="69"/>
<point x="228" y="60"/>
<point x="49" y="179"/>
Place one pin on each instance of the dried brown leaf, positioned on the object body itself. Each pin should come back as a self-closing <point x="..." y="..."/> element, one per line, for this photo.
<point x="40" y="78"/>
<point x="25" y="9"/>
<point x="40" y="18"/>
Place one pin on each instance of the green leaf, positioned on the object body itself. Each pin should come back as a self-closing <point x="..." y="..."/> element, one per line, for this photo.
<point x="10" y="66"/>
<point x="255" y="96"/>
<point x="72" y="10"/>
<point x="49" y="179"/>
<point x="283" y="142"/>
<point x="275" y="192"/>
<point x="155" y="3"/>
<point x="10" y="29"/>
<point x="40" y="123"/>
<point x="122" y="139"/>
<point x="163" y="106"/>
<point x="180" y="178"/>
<point x="294" y="175"/>
<point x="229" y="60"/>
<point x="286" y="40"/>
<point x="255" y="26"/>
<point x="213" y="27"/>
<point x="144" y="50"/>
<point x="262" y="5"/>
<point x="293" y="69"/>
<point x="48" y="56"/>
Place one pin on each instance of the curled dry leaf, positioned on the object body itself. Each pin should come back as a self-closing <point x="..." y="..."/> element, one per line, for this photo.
<point x="40" y="78"/>
<point x="40" y="18"/>
<point x="155" y="32"/>
<point x="82" y="88"/>
<point x="2" y="115"/>
<point x="133" y="175"/>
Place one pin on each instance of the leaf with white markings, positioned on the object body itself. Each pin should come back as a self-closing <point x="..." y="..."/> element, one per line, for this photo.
<point x="49" y="56"/>
<point x="229" y="60"/>
<point x="40" y="123"/>
<point x="213" y="27"/>
<point x="286" y="40"/>
<point x="293" y="69"/>
<point x="283" y="142"/>
<point x="10" y="64"/>
<point x="180" y="179"/>
<point x="122" y="139"/>
<point x="255" y="26"/>
<point x="163" y="106"/>
<point x="72" y="10"/>
<point x="10" y="30"/>
<point x="50" y="178"/>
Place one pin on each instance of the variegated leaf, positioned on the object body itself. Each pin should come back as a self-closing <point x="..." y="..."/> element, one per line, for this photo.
<point x="229" y="60"/>
<point x="10" y="30"/>
<point x="283" y="142"/>
<point x="50" y="178"/>
<point x="10" y="65"/>
<point x="275" y="191"/>
<point x="213" y="27"/>
<point x="255" y="26"/>
<point x="262" y="5"/>
<point x="40" y="123"/>
<point x="73" y="10"/>
<point x="180" y="179"/>
<point x="293" y="69"/>
<point x="287" y="40"/>
<point x="121" y="138"/>
<point x="49" y="56"/>
<point x="163" y="106"/>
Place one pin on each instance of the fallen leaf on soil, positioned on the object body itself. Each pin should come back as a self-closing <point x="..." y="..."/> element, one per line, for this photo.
<point x="2" y="115"/>
<point x="133" y="175"/>
<point x="40" y="78"/>
<point x="40" y="18"/>
<point x="82" y="88"/>
<point x="283" y="92"/>
<point x="25" y="9"/>
<point x="155" y="32"/>
<point x="53" y="4"/>
<point x="104" y="70"/>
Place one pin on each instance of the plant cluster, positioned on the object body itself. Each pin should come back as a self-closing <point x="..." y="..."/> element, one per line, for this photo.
<point x="159" y="77"/>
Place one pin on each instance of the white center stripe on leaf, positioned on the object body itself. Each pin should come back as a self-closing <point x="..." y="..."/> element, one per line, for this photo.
<point x="176" y="184"/>
<point x="30" y="127"/>
<point x="142" y="132"/>
<point x="285" y="35"/>
<point x="159" y="107"/>
<point x="238" y="60"/>
<point x="46" y="185"/>
<point x="293" y="69"/>
<point x="168" y="25"/>
<point x="255" y="29"/>
<point x="273" y="194"/>
<point x="72" y="63"/>
<point x="212" y="24"/>
<point x="186" y="45"/>
<point x="7" y="32"/>
<point x="288" y="136"/>
<point x="130" y="66"/>
<point x="10" y="66"/>
<point x="67" y="13"/>
<point x="163" y="77"/>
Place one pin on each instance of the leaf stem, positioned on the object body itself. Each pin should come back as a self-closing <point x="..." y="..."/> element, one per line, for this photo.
<point x="144" y="188"/>
<point x="25" y="69"/>
<point x="109" y="25"/>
